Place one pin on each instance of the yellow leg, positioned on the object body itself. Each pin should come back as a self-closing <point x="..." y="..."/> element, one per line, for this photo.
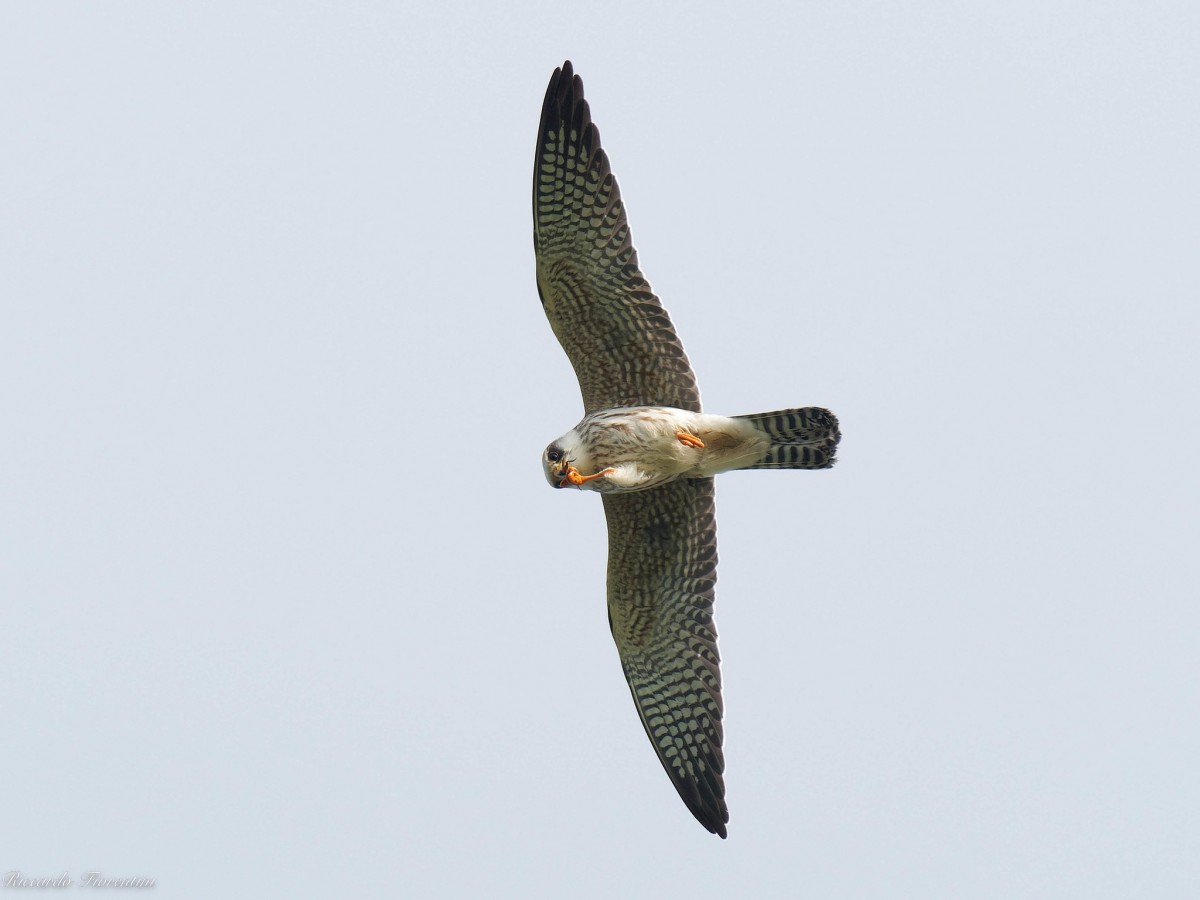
<point x="689" y="440"/>
<point x="572" y="476"/>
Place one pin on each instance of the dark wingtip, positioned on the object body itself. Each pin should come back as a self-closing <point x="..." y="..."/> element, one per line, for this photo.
<point x="714" y="820"/>
<point x="564" y="107"/>
<point x="705" y="802"/>
<point x="560" y="88"/>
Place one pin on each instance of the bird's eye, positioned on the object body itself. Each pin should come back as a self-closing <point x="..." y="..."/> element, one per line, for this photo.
<point x="554" y="454"/>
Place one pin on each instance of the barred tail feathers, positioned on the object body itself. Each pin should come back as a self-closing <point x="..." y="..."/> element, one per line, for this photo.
<point x="800" y="438"/>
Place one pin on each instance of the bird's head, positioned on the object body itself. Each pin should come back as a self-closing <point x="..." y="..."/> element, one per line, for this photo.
<point x="559" y="457"/>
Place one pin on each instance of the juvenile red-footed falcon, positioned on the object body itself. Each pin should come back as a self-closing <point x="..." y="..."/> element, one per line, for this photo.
<point x="646" y="447"/>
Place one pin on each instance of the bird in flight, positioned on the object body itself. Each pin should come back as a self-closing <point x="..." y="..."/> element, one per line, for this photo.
<point x="645" y="445"/>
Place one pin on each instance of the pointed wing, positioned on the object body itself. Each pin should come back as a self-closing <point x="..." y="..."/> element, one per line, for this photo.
<point x="662" y="566"/>
<point x="617" y="335"/>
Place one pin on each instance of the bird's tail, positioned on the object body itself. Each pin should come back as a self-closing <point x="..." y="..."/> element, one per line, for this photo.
<point x="800" y="438"/>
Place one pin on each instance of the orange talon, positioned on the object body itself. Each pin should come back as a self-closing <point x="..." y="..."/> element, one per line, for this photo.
<point x="689" y="440"/>
<point x="572" y="476"/>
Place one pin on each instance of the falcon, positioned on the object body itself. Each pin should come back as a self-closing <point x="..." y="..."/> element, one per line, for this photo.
<point x="645" y="445"/>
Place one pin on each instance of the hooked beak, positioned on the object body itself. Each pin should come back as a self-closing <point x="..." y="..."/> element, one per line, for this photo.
<point x="560" y="473"/>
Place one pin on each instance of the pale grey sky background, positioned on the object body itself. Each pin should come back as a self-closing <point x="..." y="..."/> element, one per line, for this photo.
<point x="287" y="606"/>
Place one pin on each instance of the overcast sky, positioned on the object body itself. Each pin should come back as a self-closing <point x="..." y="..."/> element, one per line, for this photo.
<point x="287" y="607"/>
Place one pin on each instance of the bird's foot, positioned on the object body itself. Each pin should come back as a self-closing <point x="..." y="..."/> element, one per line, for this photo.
<point x="572" y="476"/>
<point x="689" y="440"/>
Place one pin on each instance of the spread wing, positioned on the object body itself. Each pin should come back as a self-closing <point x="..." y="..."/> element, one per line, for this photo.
<point x="617" y="335"/>
<point x="662" y="543"/>
<point x="662" y="567"/>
